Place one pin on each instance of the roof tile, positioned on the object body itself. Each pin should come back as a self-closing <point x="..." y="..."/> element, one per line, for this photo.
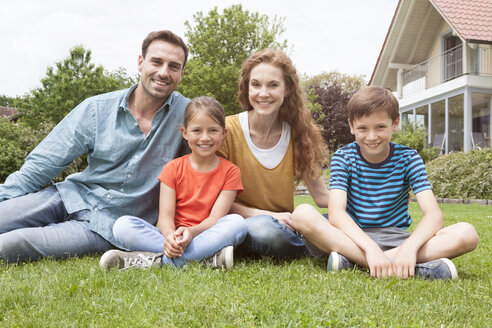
<point x="472" y="19"/>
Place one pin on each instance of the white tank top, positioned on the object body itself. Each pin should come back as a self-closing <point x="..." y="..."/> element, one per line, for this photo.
<point x="271" y="157"/>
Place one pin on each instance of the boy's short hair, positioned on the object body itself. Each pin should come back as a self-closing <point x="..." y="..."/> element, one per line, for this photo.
<point x="370" y="100"/>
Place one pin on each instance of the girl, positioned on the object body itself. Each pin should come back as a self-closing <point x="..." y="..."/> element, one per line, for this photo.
<point x="197" y="191"/>
<point x="274" y="142"/>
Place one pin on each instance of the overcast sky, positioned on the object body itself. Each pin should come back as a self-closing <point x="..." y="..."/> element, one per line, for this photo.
<point x="323" y="35"/>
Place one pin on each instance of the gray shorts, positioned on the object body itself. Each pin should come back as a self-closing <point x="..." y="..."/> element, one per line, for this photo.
<point x="386" y="238"/>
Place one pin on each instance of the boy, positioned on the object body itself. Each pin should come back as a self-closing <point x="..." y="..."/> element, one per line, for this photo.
<point x="368" y="206"/>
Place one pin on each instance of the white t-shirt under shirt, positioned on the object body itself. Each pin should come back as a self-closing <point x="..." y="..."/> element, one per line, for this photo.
<point x="271" y="157"/>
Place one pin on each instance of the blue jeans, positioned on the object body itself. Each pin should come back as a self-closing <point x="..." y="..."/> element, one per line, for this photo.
<point x="268" y="237"/>
<point x="135" y="234"/>
<point x="37" y="225"/>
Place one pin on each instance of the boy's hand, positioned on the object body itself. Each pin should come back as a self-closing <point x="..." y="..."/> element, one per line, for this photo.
<point x="404" y="263"/>
<point x="183" y="237"/>
<point x="379" y="265"/>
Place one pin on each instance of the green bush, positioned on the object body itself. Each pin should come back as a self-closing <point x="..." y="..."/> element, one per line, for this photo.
<point x="415" y="138"/>
<point x="462" y="175"/>
<point x="17" y="140"/>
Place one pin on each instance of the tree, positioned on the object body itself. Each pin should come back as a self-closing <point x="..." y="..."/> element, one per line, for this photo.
<point x="219" y="43"/>
<point x="6" y="101"/>
<point x="327" y="96"/>
<point x="67" y="84"/>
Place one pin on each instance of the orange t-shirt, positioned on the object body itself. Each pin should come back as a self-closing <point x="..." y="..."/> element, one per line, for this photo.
<point x="196" y="192"/>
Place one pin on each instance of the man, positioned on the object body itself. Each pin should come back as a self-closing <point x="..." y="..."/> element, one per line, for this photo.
<point x="128" y="136"/>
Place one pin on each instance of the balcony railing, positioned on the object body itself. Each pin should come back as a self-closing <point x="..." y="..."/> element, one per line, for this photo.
<point x="445" y="67"/>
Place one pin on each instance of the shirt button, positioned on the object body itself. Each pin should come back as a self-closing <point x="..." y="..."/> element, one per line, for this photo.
<point x="129" y="176"/>
<point x="122" y="189"/>
<point x="136" y="123"/>
<point x="96" y="210"/>
<point x="136" y="156"/>
<point x="108" y="196"/>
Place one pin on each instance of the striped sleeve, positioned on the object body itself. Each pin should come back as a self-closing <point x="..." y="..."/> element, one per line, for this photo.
<point x="416" y="174"/>
<point x="339" y="174"/>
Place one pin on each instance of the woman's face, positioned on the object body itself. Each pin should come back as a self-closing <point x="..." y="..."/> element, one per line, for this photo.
<point x="267" y="89"/>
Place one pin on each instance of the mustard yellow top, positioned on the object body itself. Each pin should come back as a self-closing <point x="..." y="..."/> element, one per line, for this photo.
<point x="266" y="189"/>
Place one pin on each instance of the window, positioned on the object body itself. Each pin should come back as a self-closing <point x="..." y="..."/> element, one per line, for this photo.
<point x="452" y="57"/>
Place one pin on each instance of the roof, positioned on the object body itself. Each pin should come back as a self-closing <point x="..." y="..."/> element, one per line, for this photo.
<point x="413" y="29"/>
<point x="7" y="111"/>
<point x="472" y="19"/>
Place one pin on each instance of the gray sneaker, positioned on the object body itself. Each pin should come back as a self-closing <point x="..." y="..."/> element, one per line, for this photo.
<point x="337" y="262"/>
<point x="223" y="259"/>
<point x="437" y="269"/>
<point x="125" y="260"/>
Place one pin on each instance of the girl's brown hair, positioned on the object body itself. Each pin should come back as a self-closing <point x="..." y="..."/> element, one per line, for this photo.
<point x="309" y="147"/>
<point x="209" y="105"/>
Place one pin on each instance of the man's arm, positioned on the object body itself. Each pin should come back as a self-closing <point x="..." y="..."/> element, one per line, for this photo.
<point x="379" y="265"/>
<point x="71" y="138"/>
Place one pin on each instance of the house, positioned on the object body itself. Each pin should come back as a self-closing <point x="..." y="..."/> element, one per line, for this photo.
<point x="8" y="112"/>
<point x="437" y="57"/>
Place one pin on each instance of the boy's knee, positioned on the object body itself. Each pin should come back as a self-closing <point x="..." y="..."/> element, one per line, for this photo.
<point x="303" y="217"/>
<point x="468" y="239"/>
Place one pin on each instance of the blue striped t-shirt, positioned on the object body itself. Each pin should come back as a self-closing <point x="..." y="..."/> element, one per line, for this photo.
<point x="377" y="193"/>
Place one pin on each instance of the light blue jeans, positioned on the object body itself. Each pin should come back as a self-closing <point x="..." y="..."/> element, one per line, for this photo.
<point x="268" y="237"/>
<point x="37" y="225"/>
<point x="135" y="234"/>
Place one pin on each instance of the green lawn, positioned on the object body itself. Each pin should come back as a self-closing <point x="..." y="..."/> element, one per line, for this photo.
<point x="300" y="293"/>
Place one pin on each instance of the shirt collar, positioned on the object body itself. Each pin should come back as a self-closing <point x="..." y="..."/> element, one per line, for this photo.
<point x="125" y="102"/>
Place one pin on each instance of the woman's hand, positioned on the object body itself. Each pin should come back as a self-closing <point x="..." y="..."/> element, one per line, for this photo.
<point x="285" y="218"/>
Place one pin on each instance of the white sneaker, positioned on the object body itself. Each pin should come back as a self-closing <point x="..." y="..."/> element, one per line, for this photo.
<point x="223" y="259"/>
<point x="126" y="260"/>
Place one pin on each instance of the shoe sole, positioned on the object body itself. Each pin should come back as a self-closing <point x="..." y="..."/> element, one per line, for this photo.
<point x="228" y="257"/>
<point x="452" y="268"/>
<point x="333" y="262"/>
<point x="103" y="265"/>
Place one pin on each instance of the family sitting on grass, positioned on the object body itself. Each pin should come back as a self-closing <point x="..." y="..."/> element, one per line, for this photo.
<point x="171" y="180"/>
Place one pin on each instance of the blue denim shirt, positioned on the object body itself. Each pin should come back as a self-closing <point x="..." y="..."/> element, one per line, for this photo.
<point x="123" y="163"/>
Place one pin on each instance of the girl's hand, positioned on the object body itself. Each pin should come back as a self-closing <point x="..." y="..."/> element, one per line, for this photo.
<point x="171" y="247"/>
<point x="183" y="237"/>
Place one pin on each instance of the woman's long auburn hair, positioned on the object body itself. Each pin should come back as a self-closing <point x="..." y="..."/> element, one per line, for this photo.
<point x="309" y="147"/>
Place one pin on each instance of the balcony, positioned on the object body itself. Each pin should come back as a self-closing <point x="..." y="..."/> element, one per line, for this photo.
<point x="446" y="67"/>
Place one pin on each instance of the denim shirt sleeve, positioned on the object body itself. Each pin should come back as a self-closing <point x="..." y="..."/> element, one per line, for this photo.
<point x="71" y="138"/>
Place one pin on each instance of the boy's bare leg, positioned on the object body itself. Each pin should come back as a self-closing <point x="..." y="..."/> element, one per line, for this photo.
<point x="318" y="230"/>
<point x="449" y="242"/>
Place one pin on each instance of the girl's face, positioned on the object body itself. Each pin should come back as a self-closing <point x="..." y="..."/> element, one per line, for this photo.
<point x="204" y="135"/>
<point x="267" y="89"/>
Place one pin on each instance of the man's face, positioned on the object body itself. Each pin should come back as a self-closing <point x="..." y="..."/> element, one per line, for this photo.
<point x="162" y="68"/>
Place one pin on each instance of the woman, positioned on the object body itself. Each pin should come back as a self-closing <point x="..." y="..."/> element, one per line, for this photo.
<point x="275" y="143"/>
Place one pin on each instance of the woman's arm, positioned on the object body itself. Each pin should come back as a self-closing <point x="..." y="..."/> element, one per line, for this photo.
<point x="318" y="190"/>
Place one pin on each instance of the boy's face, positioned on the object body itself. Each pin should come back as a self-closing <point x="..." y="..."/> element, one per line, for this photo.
<point x="373" y="134"/>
